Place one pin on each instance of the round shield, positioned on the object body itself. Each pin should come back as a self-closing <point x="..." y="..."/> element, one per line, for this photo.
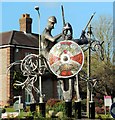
<point x="66" y="59"/>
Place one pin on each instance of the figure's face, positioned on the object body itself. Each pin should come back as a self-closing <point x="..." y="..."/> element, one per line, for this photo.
<point x="68" y="34"/>
<point x="51" y="25"/>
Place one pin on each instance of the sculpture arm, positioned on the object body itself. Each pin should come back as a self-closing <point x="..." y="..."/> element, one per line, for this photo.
<point x="51" y="38"/>
<point x="81" y="41"/>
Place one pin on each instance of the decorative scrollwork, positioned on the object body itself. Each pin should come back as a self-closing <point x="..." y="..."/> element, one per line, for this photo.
<point x="91" y="81"/>
<point x="29" y="65"/>
<point x="95" y="46"/>
<point x="30" y="68"/>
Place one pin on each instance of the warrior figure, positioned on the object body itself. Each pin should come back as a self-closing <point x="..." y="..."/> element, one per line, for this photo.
<point x="48" y="41"/>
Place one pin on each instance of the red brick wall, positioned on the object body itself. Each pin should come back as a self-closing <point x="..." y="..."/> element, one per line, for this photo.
<point x="4" y="76"/>
<point x="8" y="56"/>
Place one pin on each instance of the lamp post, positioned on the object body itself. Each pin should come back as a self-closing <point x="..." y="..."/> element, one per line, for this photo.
<point x="41" y="103"/>
<point x="39" y="52"/>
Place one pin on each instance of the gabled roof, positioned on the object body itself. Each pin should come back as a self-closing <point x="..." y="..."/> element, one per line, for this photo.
<point x="19" y="38"/>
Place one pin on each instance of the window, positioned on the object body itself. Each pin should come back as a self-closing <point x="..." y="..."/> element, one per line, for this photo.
<point x="27" y="97"/>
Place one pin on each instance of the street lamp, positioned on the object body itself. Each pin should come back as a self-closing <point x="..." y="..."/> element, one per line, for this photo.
<point x="41" y="103"/>
<point x="39" y="52"/>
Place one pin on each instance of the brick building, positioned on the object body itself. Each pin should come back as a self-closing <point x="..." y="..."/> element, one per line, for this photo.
<point x="15" y="45"/>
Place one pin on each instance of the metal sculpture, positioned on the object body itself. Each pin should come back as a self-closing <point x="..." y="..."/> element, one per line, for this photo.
<point x="65" y="59"/>
<point x="29" y="68"/>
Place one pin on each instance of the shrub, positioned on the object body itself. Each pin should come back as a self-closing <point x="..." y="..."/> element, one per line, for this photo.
<point x="51" y="102"/>
<point x="55" y="105"/>
<point x="101" y="110"/>
<point x="60" y="106"/>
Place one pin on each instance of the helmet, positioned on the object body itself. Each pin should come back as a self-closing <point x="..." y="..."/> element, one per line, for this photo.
<point x="52" y="19"/>
<point x="67" y="31"/>
<point x="67" y="26"/>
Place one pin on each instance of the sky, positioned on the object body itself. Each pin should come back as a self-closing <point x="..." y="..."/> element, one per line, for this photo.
<point x="76" y="13"/>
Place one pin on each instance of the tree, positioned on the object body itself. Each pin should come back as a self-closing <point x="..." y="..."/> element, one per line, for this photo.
<point x="104" y="70"/>
<point x="103" y="30"/>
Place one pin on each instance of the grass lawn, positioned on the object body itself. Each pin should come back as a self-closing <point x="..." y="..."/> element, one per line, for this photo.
<point x="10" y="109"/>
<point x="97" y="116"/>
<point x="103" y="116"/>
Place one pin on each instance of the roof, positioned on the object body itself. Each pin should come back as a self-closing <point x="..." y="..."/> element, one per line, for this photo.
<point x="19" y="38"/>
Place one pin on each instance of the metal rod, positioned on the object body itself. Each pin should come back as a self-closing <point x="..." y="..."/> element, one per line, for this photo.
<point x="88" y="68"/>
<point x="83" y="31"/>
<point x="19" y="102"/>
<point x="40" y="79"/>
<point x="89" y="21"/>
<point x="39" y="52"/>
<point x="63" y="18"/>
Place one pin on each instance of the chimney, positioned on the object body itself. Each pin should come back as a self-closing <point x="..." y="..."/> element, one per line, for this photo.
<point x="25" y="23"/>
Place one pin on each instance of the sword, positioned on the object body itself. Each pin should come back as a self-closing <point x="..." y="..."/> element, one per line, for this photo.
<point x="63" y="18"/>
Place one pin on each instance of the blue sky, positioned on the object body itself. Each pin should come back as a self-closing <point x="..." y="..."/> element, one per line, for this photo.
<point x="77" y="13"/>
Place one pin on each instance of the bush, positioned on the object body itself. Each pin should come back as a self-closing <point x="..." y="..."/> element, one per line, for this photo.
<point x="51" y="102"/>
<point x="101" y="110"/>
<point x="55" y="104"/>
<point x="60" y="106"/>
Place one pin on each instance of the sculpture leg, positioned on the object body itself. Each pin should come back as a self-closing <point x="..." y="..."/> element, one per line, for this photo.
<point x="78" y="101"/>
<point x="76" y="88"/>
<point x="67" y="94"/>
